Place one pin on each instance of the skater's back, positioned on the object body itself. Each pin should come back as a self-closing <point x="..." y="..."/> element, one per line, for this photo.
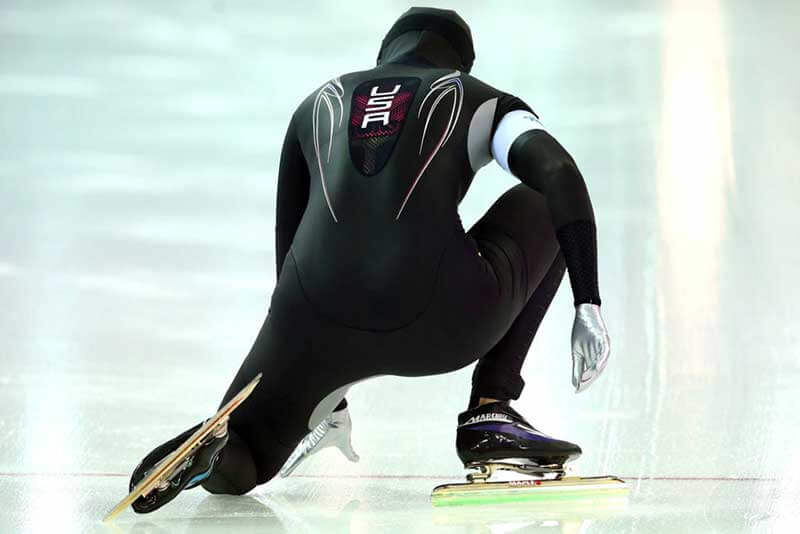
<point x="374" y="166"/>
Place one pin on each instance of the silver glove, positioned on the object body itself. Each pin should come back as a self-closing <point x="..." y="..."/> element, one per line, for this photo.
<point x="333" y="431"/>
<point x="591" y="346"/>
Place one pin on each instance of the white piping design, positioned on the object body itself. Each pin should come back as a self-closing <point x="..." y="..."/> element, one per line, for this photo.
<point x="332" y="89"/>
<point x="450" y="84"/>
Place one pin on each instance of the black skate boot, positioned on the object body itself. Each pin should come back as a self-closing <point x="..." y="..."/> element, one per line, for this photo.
<point x="495" y="436"/>
<point x="193" y="470"/>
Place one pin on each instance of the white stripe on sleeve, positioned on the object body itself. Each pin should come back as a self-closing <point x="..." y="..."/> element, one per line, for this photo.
<point x="512" y="125"/>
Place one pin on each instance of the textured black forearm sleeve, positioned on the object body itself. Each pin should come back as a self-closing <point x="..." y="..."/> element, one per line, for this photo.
<point x="578" y="242"/>
<point x="539" y="161"/>
<point x="293" y="184"/>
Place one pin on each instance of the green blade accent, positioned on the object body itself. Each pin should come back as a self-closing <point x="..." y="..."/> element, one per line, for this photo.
<point x="495" y="497"/>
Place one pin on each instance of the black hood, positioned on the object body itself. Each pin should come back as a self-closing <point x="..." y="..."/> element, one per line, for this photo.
<point x="438" y="37"/>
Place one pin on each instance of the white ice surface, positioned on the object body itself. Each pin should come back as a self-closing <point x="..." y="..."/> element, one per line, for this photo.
<point x="139" y="143"/>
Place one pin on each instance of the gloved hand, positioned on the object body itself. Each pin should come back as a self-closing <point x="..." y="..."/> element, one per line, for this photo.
<point x="590" y="346"/>
<point x="333" y="431"/>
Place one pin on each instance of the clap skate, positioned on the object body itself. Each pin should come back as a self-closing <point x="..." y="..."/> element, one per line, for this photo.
<point x="181" y="463"/>
<point x="493" y="440"/>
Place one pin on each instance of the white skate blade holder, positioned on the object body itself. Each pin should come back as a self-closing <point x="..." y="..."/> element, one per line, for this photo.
<point x="537" y="488"/>
<point x="168" y="465"/>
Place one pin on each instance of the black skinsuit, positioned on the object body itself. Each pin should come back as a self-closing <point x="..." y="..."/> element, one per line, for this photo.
<point x="377" y="276"/>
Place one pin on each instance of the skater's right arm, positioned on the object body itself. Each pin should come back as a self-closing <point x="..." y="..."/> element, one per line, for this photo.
<point x="293" y="184"/>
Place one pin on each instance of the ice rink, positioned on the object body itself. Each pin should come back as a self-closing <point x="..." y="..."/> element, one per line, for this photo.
<point x="139" y="144"/>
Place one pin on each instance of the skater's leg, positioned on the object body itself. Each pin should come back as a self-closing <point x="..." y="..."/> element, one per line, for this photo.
<point x="518" y="224"/>
<point x="497" y="375"/>
<point x="300" y="358"/>
<point x="517" y="239"/>
<point x="236" y="471"/>
<point x="267" y="426"/>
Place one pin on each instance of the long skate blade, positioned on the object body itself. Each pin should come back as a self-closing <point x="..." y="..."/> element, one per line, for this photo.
<point x="167" y="465"/>
<point x="522" y="490"/>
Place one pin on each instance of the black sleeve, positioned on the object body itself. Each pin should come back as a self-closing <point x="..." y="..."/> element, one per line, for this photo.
<point x="539" y="161"/>
<point x="293" y="184"/>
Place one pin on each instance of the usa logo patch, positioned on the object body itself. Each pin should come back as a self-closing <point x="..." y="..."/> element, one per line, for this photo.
<point x="377" y="114"/>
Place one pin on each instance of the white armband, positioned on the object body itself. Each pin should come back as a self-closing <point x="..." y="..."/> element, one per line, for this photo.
<point x="512" y="125"/>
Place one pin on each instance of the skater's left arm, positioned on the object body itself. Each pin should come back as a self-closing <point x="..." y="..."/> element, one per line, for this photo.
<point x="293" y="184"/>
<point x="521" y="145"/>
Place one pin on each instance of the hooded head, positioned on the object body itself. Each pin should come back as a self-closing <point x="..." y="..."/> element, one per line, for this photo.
<point x="438" y="37"/>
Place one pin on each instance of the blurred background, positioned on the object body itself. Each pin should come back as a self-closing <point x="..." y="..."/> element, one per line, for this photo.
<point x="139" y="145"/>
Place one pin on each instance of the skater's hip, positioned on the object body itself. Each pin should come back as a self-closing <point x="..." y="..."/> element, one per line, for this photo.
<point x="461" y="319"/>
